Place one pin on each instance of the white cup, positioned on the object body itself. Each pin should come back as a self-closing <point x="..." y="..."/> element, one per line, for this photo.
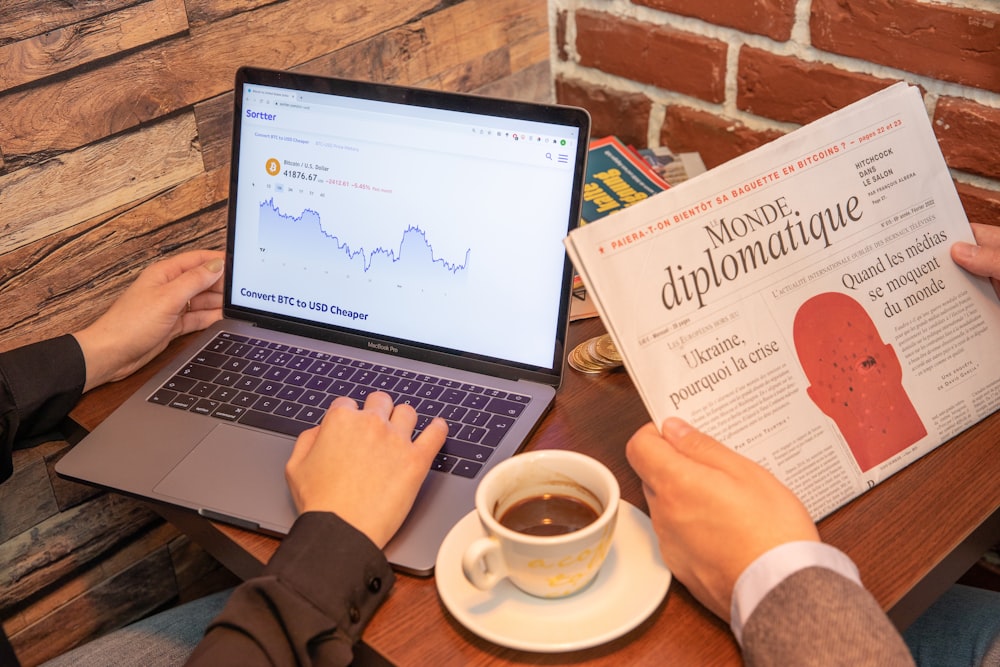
<point x="545" y="566"/>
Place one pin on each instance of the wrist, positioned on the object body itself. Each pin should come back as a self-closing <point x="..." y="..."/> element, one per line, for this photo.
<point x="95" y="359"/>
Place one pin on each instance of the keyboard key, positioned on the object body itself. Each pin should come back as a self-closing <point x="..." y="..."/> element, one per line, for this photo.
<point x="205" y="406"/>
<point x="247" y="383"/>
<point x="163" y="396"/>
<point x="183" y="402"/>
<point x="466" y="450"/>
<point x="471" y="433"/>
<point x="429" y="407"/>
<point x="477" y="401"/>
<point x="202" y="389"/>
<point x="298" y="378"/>
<point x="467" y="468"/>
<point x="502" y="406"/>
<point x="266" y="404"/>
<point x="429" y="391"/>
<point x="455" y="396"/>
<point x="179" y="384"/>
<point x="244" y="399"/>
<point x="224" y="394"/>
<point x="477" y="418"/>
<point x="454" y="412"/>
<point x="227" y="379"/>
<point x="206" y="358"/>
<point x="198" y="372"/>
<point x="290" y="393"/>
<point x="288" y="409"/>
<point x="277" y="374"/>
<point x="443" y="463"/>
<point x="229" y="412"/>
<point x="498" y="427"/>
<point x="312" y="415"/>
<point x="299" y="363"/>
<point x="267" y="421"/>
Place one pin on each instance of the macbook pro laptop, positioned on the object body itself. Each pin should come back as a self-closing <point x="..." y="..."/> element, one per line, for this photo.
<point x="379" y="238"/>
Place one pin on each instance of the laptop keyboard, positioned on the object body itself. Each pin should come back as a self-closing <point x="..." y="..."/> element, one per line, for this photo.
<point x="288" y="389"/>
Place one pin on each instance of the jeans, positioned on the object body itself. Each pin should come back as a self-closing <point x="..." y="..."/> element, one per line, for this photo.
<point x="962" y="627"/>
<point x="167" y="638"/>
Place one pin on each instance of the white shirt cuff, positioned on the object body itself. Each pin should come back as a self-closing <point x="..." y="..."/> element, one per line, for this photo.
<point x="774" y="566"/>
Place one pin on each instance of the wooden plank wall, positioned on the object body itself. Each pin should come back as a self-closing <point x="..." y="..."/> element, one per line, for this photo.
<point x="114" y="140"/>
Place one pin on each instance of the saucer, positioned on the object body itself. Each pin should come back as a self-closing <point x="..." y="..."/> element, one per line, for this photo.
<point x="630" y="586"/>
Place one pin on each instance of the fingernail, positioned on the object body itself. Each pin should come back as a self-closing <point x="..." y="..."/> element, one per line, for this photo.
<point x="215" y="265"/>
<point x="965" y="250"/>
<point x="676" y="428"/>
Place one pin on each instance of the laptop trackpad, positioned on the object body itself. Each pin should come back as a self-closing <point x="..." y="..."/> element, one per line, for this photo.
<point x="236" y="473"/>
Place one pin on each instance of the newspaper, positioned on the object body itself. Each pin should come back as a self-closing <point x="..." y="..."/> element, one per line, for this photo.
<point x="799" y="303"/>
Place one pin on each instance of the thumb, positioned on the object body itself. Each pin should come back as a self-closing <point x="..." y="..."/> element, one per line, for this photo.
<point x="694" y="444"/>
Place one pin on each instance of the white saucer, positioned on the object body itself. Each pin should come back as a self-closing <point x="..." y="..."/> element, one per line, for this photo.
<point x="629" y="587"/>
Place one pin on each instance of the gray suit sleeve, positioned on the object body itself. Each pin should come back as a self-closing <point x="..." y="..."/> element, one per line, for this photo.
<point x="818" y="617"/>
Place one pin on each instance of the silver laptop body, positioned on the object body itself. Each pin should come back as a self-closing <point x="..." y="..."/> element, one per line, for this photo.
<point x="379" y="238"/>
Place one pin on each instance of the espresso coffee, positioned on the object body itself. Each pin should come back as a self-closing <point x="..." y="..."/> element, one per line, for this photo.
<point x="548" y="514"/>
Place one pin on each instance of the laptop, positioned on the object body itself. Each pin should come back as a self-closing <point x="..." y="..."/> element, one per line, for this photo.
<point x="379" y="238"/>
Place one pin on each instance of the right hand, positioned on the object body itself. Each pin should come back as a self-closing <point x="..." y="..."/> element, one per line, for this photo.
<point x="362" y="465"/>
<point x="714" y="511"/>
<point x="982" y="259"/>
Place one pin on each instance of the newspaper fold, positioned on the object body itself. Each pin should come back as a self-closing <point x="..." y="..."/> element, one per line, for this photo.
<point x="799" y="303"/>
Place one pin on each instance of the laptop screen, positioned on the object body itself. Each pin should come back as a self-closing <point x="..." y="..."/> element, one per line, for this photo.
<point x="408" y="217"/>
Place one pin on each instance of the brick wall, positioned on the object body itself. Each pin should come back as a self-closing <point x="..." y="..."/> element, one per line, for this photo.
<point x="724" y="77"/>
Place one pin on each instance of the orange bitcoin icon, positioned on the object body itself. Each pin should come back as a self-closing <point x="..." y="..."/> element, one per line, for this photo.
<point x="273" y="167"/>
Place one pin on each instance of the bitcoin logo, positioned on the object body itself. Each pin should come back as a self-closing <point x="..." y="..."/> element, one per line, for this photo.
<point x="273" y="167"/>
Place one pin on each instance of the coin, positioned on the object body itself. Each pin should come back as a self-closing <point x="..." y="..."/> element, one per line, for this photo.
<point x="579" y="359"/>
<point x="586" y="358"/>
<point x="605" y="348"/>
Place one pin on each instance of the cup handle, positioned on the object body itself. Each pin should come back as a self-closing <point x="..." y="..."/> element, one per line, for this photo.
<point x="483" y="563"/>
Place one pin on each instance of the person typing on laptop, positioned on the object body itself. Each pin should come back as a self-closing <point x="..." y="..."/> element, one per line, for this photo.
<point x="330" y="575"/>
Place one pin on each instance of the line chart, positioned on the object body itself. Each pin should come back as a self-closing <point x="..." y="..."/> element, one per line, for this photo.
<point x="302" y="238"/>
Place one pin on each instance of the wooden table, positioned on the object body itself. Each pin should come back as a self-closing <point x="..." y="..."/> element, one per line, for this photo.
<point x="911" y="537"/>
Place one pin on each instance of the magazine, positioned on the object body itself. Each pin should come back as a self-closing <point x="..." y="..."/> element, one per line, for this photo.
<point x="616" y="179"/>
<point x="674" y="168"/>
<point x="799" y="303"/>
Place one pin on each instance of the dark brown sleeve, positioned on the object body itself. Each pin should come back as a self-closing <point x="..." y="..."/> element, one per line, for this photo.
<point x="818" y="617"/>
<point x="39" y="385"/>
<point x="308" y="607"/>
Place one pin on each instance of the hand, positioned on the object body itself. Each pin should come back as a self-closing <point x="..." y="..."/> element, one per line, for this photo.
<point x="362" y="465"/>
<point x="983" y="259"/>
<point x="714" y="511"/>
<point x="171" y="297"/>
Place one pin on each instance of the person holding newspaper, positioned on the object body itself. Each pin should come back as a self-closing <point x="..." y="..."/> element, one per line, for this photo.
<point x="746" y="548"/>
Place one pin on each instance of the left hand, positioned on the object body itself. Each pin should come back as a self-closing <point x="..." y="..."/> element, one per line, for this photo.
<point x="170" y="298"/>
<point x="714" y="511"/>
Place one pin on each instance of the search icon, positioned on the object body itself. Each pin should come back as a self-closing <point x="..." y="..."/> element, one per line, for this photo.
<point x="548" y="156"/>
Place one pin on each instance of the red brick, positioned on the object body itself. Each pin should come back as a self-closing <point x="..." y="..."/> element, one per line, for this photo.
<point x="771" y="18"/>
<point x="945" y="42"/>
<point x="969" y="135"/>
<point x="981" y="205"/>
<point x="717" y="139"/>
<point x="625" y="115"/>
<point x="663" y="57"/>
<point x="797" y="91"/>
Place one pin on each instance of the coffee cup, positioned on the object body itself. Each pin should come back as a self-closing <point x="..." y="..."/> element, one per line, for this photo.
<point x="549" y="517"/>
